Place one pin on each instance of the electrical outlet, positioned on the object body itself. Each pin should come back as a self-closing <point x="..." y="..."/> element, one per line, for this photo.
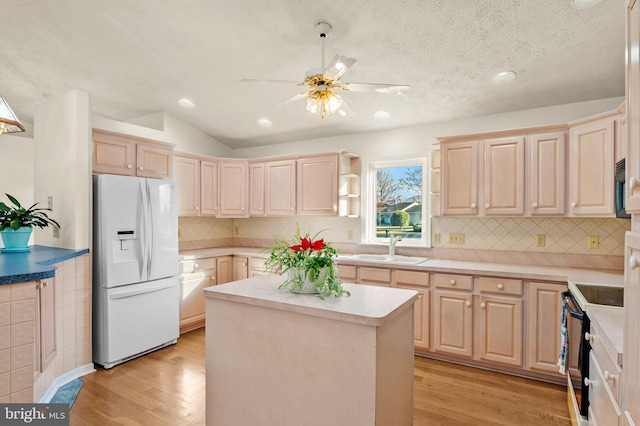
<point x="56" y="232"/>
<point x="541" y="240"/>
<point x="456" y="238"/>
<point x="436" y="238"/>
<point x="594" y="241"/>
<point x="350" y="234"/>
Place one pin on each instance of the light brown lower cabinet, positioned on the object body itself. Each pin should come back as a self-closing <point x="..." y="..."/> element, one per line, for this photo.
<point x="500" y="329"/>
<point x="224" y="269"/>
<point x="453" y="322"/>
<point x="418" y="281"/>
<point x="45" y="324"/>
<point x="543" y="330"/>
<point x="240" y="268"/>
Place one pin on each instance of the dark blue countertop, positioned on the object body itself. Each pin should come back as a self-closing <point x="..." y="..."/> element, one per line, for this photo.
<point x="36" y="264"/>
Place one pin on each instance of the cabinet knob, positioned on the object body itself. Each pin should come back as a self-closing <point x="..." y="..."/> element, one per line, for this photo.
<point x="587" y="336"/>
<point x="633" y="183"/>
<point x="242" y="208"/>
<point x="534" y="205"/>
<point x="573" y="204"/>
<point x="482" y="305"/>
<point x="609" y="377"/>
<point x="468" y="303"/>
<point x="129" y="166"/>
<point x="291" y="208"/>
<point x="197" y="207"/>
<point x="588" y="382"/>
<point x="473" y="205"/>
<point x="141" y="168"/>
<point x="500" y="286"/>
<point x="633" y="262"/>
<point x="452" y="282"/>
<point x="486" y="206"/>
<point x="195" y="265"/>
<point x="260" y="208"/>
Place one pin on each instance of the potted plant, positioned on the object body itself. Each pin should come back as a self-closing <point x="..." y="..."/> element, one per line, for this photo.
<point x="17" y="222"/>
<point x="308" y="264"/>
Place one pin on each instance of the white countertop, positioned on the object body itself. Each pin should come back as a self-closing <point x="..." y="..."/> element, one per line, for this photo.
<point x="367" y="305"/>
<point x="610" y="322"/>
<point x="223" y="251"/>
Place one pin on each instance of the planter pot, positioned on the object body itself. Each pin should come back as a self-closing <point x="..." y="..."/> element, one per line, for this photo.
<point x="16" y="240"/>
<point x="302" y="281"/>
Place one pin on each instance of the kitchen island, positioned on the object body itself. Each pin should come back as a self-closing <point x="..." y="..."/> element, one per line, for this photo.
<point x="274" y="357"/>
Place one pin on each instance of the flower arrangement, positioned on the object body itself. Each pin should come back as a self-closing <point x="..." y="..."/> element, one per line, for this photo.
<point x="306" y="261"/>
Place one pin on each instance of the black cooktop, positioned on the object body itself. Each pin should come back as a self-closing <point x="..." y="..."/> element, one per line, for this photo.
<point x="602" y="295"/>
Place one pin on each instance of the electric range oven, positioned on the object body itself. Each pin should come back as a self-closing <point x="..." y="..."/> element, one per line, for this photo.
<point x="578" y="299"/>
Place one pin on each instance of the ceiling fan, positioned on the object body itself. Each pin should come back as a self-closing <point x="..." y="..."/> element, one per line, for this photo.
<point x="321" y="98"/>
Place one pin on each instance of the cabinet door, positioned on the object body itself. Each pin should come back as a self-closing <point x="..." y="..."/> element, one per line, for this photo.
<point x="233" y="188"/>
<point x="453" y="322"/>
<point x="459" y="178"/>
<point x="240" y="268"/>
<point x="208" y="188"/>
<point x="631" y="343"/>
<point x="224" y="269"/>
<point x="113" y="156"/>
<point x="153" y="162"/>
<point x="633" y="109"/>
<point x="547" y="174"/>
<point x="500" y="329"/>
<point x="421" y="312"/>
<point x="543" y="331"/>
<point x="318" y="186"/>
<point x="280" y="188"/>
<point x="591" y="169"/>
<point x="47" y="317"/>
<point x="256" y="189"/>
<point x="503" y="176"/>
<point x="187" y="177"/>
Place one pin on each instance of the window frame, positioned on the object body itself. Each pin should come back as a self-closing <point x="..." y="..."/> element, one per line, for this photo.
<point x="370" y="210"/>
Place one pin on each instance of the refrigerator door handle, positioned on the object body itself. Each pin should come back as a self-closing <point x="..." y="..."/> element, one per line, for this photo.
<point x="152" y="230"/>
<point x="138" y="292"/>
<point x="143" y="229"/>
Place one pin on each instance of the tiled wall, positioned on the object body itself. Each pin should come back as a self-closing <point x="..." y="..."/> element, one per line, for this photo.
<point x="562" y="235"/>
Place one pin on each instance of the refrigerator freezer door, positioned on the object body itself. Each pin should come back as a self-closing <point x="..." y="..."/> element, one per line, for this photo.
<point x="163" y="236"/>
<point x="119" y="230"/>
<point x="135" y="319"/>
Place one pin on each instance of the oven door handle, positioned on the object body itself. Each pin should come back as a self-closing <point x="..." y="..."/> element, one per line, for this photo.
<point x="577" y="313"/>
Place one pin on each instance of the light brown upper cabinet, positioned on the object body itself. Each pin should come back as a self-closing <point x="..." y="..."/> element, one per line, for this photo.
<point x="256" y="189"/>
<point x="127" y="155"/>
<point x="280" y="188"/>
<point x="233" y="188"/>
<point x="547" y="171"/>
<point x="317" y="189"/>
<point x="459" y="174"/>
<point x="503" y="176"/>
<point x="591" y="147"/>
<point x="196" y="180"/>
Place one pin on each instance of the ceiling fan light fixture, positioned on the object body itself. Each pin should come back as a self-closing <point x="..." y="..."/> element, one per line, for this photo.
<point x="323" y="102"/>
<point x="9" y="123"/>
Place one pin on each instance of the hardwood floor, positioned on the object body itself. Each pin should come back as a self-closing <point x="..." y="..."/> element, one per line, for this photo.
<point x="167" y="387"/>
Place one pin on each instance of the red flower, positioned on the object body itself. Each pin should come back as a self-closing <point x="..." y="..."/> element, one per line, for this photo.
<point x="296" y="248"/>
<point x="318" y="245"/>
<point x="306" y="244"/>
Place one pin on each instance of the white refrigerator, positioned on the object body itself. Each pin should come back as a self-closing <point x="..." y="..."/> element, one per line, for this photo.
<point x="136" y="293"/>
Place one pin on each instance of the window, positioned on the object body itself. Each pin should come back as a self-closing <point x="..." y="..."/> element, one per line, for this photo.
<point x="397" y="201"/>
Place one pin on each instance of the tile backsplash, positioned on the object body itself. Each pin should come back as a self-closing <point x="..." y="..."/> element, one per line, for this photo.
<point x="562" y="235"/>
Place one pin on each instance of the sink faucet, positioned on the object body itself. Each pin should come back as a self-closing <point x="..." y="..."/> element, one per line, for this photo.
<point x="393" y="240"/>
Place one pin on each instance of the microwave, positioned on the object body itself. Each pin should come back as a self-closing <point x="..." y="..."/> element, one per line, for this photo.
<point x="620" y="190"/>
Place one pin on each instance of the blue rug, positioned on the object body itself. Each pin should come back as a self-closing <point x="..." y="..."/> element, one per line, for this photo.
<point x="67" y="394"/>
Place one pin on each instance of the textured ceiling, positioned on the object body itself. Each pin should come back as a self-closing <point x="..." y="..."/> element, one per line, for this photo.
<point x="140" y="57"/>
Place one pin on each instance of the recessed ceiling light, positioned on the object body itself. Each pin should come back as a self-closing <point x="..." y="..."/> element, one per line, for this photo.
<point x="585" y="4"/>
<point x="264" y="122"/>
<point x="381" y="115"/>
<point x="503" y="77"/>
<point x="186" y="103"/>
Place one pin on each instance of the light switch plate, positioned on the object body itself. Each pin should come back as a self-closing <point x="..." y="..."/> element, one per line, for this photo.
<point x="594" y="241"/>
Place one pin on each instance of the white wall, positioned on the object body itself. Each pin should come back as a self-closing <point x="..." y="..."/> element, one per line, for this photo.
<point x="62" y="161"/>
<point x="167" y="128"/>
<point x="16" y="170"/>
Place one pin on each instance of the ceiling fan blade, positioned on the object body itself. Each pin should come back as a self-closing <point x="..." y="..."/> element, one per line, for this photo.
<point x="346" y="110"/>
<point x="398" y="89"/>
<point x="338" y="66"/>
<point x="254" y="80"/>
<point x="289" y="101"/>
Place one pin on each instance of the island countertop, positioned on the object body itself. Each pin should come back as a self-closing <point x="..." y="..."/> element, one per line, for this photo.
<point x="367" y="305"/>
<point x="36" y="264"/>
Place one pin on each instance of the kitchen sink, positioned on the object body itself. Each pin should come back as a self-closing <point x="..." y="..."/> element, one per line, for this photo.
<point x="396" y="258"/>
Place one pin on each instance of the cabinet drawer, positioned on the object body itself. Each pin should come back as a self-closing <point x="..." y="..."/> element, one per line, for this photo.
<point x="347" y="273"/>
<point x="460" y="282"/>
<point x="257" y="262"/>
<point x="197" y="265"/>
<point x="610" y="369"/>
<point x="375" y="276"/>
<point x="500" y="286"/>
<point x="412" y="278"/>
<point x="603" y="409"/>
